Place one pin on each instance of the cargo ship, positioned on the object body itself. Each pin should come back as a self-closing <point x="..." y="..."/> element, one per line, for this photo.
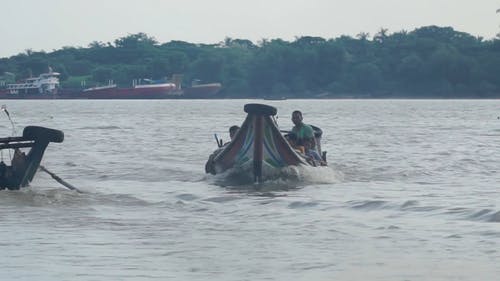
<point x="137" y="91"/>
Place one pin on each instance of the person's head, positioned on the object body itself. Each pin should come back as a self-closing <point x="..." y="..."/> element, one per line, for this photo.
<point x="297" y="117"/>
<point x="233" y="130"/>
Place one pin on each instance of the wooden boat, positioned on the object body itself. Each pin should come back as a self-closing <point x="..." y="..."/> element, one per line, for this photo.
<point x="259" y="149"/>
<point x="23" y="166"/>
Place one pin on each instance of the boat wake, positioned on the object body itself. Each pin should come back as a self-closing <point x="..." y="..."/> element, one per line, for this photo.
<point x="36" y="196"/>
<point x="317" y="175"/>
<point x="290" y="177"/>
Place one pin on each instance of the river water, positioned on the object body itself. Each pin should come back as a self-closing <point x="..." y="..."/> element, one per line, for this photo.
<point x="411" y="193"/>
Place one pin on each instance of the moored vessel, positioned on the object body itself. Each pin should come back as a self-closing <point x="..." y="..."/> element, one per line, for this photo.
<point x="45" y="86"/>
<point x="143" y="91"/>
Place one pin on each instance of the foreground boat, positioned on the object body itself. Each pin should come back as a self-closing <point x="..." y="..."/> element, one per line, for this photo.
<point x="259" y="149"/>
<point x="24" y="165"/>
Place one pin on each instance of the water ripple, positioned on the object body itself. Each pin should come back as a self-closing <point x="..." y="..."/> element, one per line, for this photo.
<point x="368" y="204"/>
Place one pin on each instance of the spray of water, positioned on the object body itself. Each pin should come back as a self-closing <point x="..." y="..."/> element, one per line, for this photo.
<point x="291" y="177"/>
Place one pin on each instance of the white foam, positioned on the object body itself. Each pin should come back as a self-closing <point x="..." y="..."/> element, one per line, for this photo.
<point x="288" y="176"/>
<point x="310" y="174"/>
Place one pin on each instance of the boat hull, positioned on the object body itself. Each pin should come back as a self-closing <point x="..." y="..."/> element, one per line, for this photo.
<point x="139" y="92"/>
<point x="26" y="94"/>
<point x="258" y="149"/>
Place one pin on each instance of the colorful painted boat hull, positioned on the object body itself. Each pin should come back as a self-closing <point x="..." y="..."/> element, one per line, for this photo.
<point x="258" y="149"/>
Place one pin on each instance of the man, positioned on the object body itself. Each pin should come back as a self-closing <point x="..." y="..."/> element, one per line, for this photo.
<point x="209" y="166"/>
<point x="232" y="131"/>
<point x="303" y="132"/>
<point x="305" y="135"/>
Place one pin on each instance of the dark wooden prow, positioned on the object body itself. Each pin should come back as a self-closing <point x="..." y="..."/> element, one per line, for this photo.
<point x="24" y="166"/>
<point x="258" y="111"/>
<point x="258" y="145"/>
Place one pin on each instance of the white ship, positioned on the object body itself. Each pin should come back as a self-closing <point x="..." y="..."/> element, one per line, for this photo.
<point x="46" y="84"/>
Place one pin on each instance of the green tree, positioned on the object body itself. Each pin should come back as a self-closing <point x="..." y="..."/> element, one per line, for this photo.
<point x="102" y="74"/>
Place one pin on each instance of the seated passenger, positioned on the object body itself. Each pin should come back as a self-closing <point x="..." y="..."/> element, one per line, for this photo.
<point x="209" y="167"/>
<point x="18" y="161"/>
<point x="305" y="136"/>
<point x="232" y="132"/>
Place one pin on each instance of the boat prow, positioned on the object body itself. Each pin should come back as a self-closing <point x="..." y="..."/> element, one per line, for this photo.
<point x="23" y="166"/>
<point x="258" y="148"/>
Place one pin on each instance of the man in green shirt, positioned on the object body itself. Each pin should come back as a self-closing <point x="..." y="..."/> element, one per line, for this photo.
<point x="305" y="135"/>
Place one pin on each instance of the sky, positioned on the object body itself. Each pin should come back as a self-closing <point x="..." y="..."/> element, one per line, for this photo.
<point x="49" y="25"/>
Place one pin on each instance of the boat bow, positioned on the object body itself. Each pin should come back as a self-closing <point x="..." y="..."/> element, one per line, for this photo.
<point x="23" y="166"/>
<point x="258" y="147"/>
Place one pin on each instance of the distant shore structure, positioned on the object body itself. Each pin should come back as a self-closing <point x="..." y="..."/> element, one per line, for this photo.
<point x="47" y="86"/>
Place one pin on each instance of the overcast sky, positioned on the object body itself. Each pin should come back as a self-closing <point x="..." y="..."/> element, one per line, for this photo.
<point x="51" y="24"/>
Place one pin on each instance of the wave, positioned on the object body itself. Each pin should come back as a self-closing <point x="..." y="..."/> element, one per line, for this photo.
<point x="414" y="206"/>
<point x="291" y="177"/>
<point x="486" y="215"/>
<point x="100" y="128"/>
<point x="39" y="196"/>
<point x="368" y="204"/>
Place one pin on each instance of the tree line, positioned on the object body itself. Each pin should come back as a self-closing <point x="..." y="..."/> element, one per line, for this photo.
<point x="427" y="62"/>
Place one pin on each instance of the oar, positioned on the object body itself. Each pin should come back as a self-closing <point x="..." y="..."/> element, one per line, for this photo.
<point x="59" y="180"/>
<point x="219" y="142"/>
<point x="4" y="109"/>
